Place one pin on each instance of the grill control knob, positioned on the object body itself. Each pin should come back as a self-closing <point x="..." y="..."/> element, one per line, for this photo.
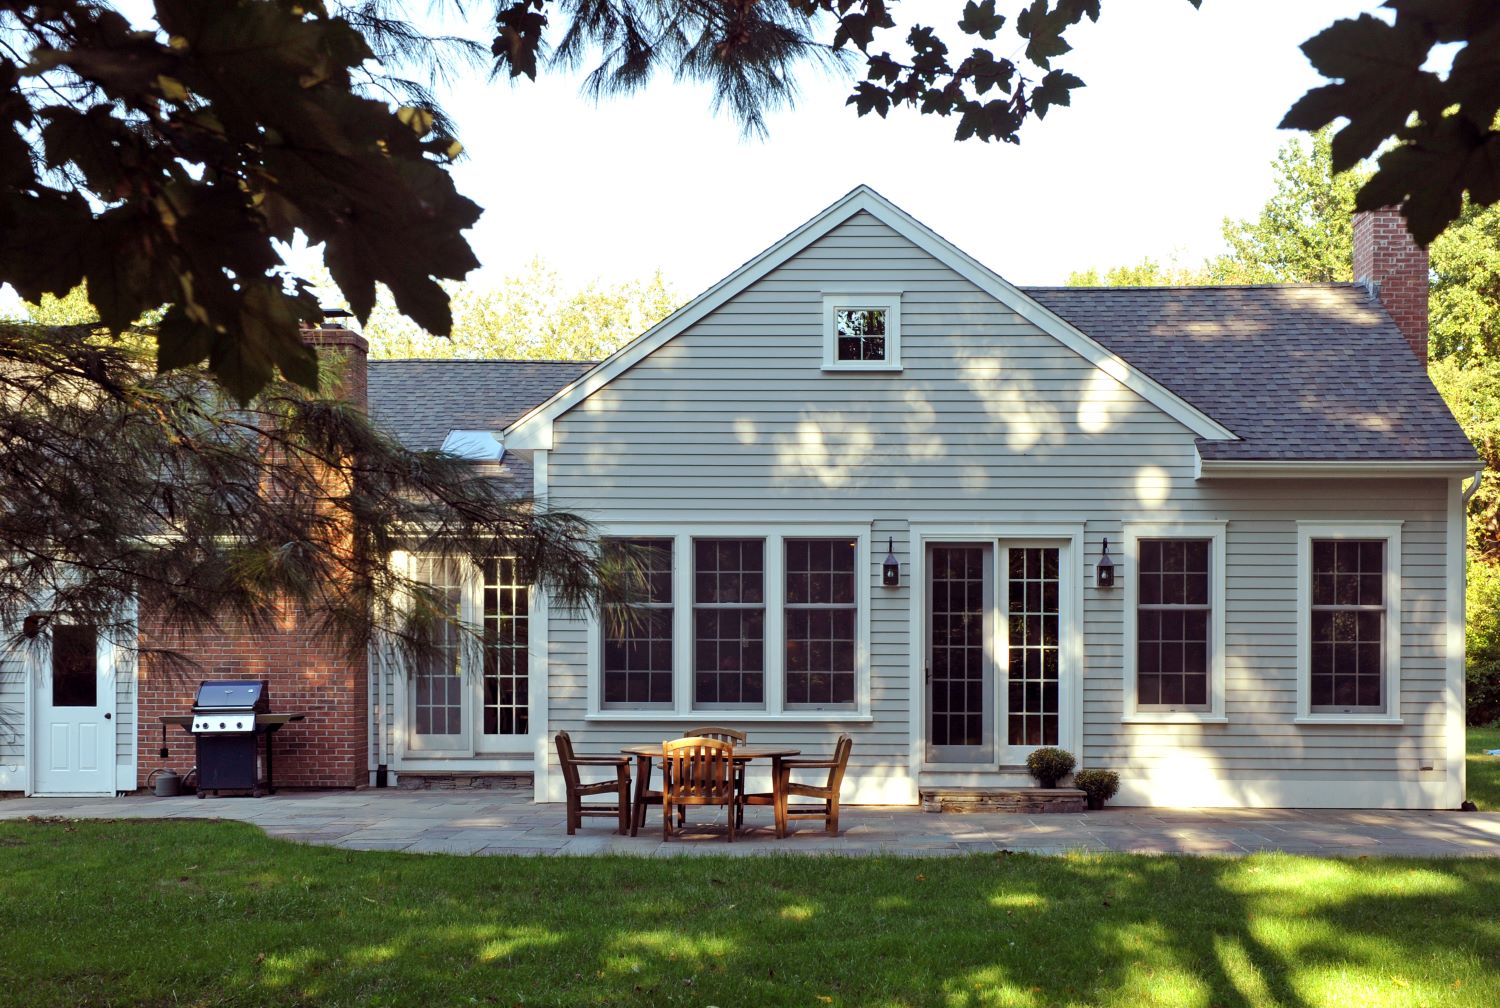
<point x="239" y="724"/>
<point x="221" y="724"/>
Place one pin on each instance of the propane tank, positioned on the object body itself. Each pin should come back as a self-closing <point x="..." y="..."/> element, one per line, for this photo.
<point x="168" y="784"/>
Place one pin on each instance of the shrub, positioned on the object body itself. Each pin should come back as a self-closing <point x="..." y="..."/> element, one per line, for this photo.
<point x="1050" y="765"/>
<point x="1099" y="785"/>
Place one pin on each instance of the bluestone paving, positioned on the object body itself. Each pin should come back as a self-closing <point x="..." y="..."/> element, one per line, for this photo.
<point x="509" y="822"/>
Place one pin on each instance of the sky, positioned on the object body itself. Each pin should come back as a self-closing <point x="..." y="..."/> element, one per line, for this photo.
<point x="1175" y="130"/>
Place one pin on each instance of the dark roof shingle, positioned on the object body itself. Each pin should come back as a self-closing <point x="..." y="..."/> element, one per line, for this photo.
<point x="1313" y="372"/>
<point x="420" y="401"/>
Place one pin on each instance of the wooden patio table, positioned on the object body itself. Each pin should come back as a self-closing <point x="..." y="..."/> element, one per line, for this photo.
<point x="742" y="754"/>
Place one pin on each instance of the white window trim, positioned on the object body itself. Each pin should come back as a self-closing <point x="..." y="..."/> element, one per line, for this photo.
<point x="1132" y="534"/>
<point x="1390" y="531"/>
<point x="774" y="533"/>
<point x="889" y="302"/>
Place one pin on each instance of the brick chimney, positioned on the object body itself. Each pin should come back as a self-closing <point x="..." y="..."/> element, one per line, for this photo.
<point x="1395" y="267"/>
<point x="334" y="340"/>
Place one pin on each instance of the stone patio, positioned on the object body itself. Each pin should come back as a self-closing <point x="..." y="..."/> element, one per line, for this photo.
<point x="507" y="822"/>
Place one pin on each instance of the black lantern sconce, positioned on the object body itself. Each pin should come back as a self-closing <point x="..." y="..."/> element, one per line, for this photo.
<point x="1104" y="570"/>
<point x="890" y="571"/>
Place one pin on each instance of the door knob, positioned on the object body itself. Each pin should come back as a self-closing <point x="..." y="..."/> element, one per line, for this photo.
<point x="108" y="716"/>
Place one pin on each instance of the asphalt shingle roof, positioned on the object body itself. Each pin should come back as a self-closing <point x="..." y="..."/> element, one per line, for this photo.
<point x="420" y="401"/>
<point x="1312" y="372"/>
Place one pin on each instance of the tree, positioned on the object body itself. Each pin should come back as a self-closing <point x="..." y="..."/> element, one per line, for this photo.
<point x="1303" y="234"/>
<point x="1465" y="298"/>
<point x="125" y="486"/>
<point x="529" y="316"/>
<point x="161" y="166"/>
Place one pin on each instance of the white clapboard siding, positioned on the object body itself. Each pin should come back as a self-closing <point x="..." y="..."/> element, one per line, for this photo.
<point x="12" y="723"/>
<point x="990" y="420"/>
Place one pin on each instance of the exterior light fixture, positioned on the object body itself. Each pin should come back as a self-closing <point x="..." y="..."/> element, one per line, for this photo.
<point x="890" y="571"/>
<point x="1104" y="570"/>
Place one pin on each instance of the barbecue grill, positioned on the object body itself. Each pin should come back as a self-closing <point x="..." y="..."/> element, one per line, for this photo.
<point x="230" y="717"/>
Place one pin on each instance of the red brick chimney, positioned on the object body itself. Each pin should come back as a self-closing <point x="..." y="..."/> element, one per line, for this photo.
<point x="1395" y="266"/>
<point x="335" y="341"/>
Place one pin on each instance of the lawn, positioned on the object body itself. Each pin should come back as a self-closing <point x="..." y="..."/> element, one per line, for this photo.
<point x="1484" y="771"/>
<point x="214" y="914"/>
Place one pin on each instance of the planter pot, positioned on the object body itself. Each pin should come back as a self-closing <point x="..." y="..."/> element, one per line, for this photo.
<point x="1095" y="804"/>
<point x="1045" y="783"/>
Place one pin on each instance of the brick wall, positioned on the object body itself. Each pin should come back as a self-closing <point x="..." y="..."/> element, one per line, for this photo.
<point x="309" y="672"/>
<point x="1386" y="255"/>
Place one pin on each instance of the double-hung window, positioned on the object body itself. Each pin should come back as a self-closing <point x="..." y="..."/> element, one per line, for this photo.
<point x="1174" y="576"/>
<point x="638" y="630"/>
<point x="821" y="612"/>
<point x="735" y="618"/>
<point x="1349" y="620"/>
<point x="729" y="622"/>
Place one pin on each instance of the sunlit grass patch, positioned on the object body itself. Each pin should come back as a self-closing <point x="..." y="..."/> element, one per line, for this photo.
<point x="152" y="913"/>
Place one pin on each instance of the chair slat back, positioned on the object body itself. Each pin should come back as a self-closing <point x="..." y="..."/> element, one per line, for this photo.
<point x="565" y="759"/>
<point x="841" y="751"/>
<point x="720" y="734"/>
<point x="698" y="769"/>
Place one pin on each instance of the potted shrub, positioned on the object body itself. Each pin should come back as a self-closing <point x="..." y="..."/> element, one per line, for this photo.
<point x="1050" y="765"/>
<point x="1099" y="785"/>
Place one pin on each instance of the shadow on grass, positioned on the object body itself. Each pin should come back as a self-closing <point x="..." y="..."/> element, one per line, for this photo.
<point x="148" y="913"/>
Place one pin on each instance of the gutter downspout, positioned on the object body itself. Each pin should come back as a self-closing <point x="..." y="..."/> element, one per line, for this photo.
<point x="1469" y="492"/>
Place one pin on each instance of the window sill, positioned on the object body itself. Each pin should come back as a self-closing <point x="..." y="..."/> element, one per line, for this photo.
<point x="805" y="717"/>
<point x="1173" y="717"/>
<point x="883" y="367"/>
<point x="1347" y="719"/>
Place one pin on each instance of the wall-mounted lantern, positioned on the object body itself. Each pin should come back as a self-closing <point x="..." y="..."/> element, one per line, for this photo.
<point x="1104" y="570"/>
<point x="890" y="571"/>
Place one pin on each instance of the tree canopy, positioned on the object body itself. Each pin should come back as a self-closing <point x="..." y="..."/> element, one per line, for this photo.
<point x="161" y="163"/>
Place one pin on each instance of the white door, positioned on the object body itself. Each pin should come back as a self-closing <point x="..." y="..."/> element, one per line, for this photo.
<point x="75" y="702"/>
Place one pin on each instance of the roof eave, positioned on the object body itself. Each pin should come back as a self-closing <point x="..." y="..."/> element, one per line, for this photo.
<point x="1325" y="468"/>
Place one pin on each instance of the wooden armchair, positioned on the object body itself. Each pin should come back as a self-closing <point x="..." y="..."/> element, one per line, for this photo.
<point x="697" y="771"/>
<point x="577" y="790"/>
<point x="733" y="737"/>
<point x="826" y="793"/>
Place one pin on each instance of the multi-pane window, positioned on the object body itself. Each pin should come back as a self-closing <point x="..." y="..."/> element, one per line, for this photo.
<point x="1032" y="614"/>
<point x="507" y="703"/>
<point x="1172" y="624"/>
<point x="729" y="621"/>
<point x="438" y="685"/>
<point x="637" y="625"/>
<point x="859" y="334"/>
<point x="1348" y="625"/>
<point x="820" y="614"/>
<point x="959" y="665"/>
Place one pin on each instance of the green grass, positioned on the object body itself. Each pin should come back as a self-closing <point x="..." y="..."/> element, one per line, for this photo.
<point x="1484" y="771"/>
<point x="211" y="914"/>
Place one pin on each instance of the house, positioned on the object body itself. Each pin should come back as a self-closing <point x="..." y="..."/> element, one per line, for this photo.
<point x="1211" y="538"/>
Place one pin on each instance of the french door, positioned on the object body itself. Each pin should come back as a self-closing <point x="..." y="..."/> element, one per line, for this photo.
<point x="470" y="694"/>
<point x="994" y="688"/>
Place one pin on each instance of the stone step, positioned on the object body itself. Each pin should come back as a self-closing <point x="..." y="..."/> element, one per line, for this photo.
<point x="1021" y="800"/>
<point x="463" y="780"/>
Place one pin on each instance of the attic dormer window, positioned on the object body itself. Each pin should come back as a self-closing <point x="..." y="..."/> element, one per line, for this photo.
<point x="862" y="332"/>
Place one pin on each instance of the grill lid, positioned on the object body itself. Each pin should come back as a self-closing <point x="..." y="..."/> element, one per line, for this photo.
<point x="232" y="694"/>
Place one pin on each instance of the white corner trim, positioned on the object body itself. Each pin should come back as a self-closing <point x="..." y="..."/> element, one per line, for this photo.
<point x="1455" y="752"/>
<point x="1216" y="532"/>
<point x="889" y="302"/>
<point x="533" y="429"/>
<point x="1390" y="531"/>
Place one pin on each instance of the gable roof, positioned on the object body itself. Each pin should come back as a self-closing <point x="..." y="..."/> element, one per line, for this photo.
<point x="533" y="430"/>
<point x="1302" y="373"/>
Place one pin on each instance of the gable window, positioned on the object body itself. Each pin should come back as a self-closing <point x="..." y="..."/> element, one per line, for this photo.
<point x="1174" y="623"/>
<point x="862" y="332"/>
<point x="1349" y="621"/>
<point x="638" y="628"/>
<point x="729" y="622"/>
<point x="820" y="617"/>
